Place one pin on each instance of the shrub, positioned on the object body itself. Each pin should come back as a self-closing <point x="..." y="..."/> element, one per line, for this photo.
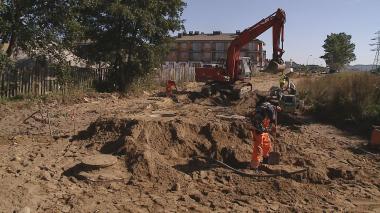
<point x="348" y="97"/>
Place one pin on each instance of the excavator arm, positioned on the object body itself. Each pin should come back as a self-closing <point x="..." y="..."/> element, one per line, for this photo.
<point x="276" y="21"/>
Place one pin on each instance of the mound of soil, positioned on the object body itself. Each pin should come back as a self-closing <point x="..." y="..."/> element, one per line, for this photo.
<point x="153" y="148"/>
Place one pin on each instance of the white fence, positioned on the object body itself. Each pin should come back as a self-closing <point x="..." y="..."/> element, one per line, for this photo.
<point x="179" y="74"/>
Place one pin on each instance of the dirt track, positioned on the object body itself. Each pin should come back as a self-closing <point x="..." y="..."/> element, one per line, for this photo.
<point x="158" y="168"/>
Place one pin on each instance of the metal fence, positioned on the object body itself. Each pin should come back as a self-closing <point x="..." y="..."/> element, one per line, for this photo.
<point x="37" y="80"/>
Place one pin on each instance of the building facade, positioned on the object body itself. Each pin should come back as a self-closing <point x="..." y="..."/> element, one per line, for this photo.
<point x="198" y="48"/>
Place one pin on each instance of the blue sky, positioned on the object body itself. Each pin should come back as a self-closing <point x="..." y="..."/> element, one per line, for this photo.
<point x="308" y="23"/>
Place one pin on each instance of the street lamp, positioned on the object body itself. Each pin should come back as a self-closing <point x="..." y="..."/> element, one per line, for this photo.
<point x="307" y="62"/>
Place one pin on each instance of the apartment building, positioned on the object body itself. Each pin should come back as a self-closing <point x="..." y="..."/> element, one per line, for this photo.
<point x="199" y="48"/>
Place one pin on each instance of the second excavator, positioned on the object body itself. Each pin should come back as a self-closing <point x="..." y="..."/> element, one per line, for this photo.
<point x="230" y="79"/>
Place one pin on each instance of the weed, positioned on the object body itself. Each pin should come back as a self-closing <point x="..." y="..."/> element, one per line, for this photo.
<point x="342" y="97"/>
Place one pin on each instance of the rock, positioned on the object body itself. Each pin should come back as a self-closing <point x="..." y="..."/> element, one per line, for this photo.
<point x="66" y="208"/>
<point x="10" y="170"/>
<point x="26" y="209"/>
<point x="25" y="163"/>
<point x="114" y="186"/>
<point x="99" y="161"/>
<point x="187" y="177"/>
<point x="202" y="174"/>
<point x="196" y="196"/>
<point x="176" y="187"/>
<point x="16" y="158"/>
<point x="45" y="175"/>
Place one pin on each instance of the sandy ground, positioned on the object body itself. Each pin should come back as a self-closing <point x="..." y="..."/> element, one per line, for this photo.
<point x="158" y="144"/>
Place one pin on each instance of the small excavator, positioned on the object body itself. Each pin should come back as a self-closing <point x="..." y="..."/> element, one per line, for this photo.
<point x="230" y="79"/>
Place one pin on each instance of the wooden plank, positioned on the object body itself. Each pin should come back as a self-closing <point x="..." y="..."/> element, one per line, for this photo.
<point x="28" y="85"/>
<point x="2" y="83"/>
<point x="21" y="84"/>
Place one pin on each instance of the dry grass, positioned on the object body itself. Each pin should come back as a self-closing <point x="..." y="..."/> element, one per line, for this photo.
<point x="348" y="97"/>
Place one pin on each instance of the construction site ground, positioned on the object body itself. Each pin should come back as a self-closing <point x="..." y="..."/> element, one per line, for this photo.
<point x="157" y="165"/>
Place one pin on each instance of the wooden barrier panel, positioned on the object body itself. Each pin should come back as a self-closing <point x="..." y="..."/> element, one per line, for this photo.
<point x="40" y="80"/>
<point x="179" y="74"/>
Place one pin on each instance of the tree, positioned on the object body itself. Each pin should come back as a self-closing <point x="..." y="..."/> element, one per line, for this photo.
<point x="339" y="50"/>
<point x="41" y="27"/>
<point x="129" y="35"/>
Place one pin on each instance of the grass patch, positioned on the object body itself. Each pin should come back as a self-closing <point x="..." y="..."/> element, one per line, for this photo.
<point x="348" y="98"/>
<point x="69" y="97"/>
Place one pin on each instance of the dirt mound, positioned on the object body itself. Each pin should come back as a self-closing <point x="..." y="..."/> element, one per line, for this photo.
<point x="153" y="148"/>
<point x="246" y="105"/>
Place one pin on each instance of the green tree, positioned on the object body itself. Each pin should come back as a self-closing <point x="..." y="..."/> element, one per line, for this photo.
<point x="129" y="35"/>
<point x="339" y="50"/>
<point x="37" y="27"/>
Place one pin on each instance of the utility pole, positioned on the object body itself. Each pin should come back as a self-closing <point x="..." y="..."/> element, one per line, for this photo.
<point x="376" y="61"/>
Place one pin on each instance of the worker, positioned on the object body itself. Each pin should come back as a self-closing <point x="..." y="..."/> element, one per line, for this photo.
<point x="263" y="121"/>
<point x="284" y="79"/>
<point x="170" y="85"/>
<point x="286" y="85"/>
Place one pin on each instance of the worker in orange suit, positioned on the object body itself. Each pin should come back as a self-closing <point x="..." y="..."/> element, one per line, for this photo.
<point x="170" y="85"/>
<point x="263" y="121"/>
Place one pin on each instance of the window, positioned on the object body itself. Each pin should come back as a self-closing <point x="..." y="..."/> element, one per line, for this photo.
<point x="252" y="46"/>
<point x="197" y="46"/>
<point x="206" y="56"/>
<point x="184" y="56"/>
<point x="196" y="56"/>
<point x="218" y="55"/>
<point x="207" y="46"/>
<point x="183" y="45"/>
<point x="219" y="46"/>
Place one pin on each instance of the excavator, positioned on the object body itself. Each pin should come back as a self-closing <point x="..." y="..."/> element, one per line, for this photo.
<point x="229" y="79"/>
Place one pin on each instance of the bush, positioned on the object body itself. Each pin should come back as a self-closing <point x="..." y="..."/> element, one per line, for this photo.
<point x="5" y="62"/>
<point x="344" y="98"/>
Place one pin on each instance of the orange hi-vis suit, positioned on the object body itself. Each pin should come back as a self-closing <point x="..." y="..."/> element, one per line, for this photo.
<point x="169" y="88"/>
<point x="261" y="145"/>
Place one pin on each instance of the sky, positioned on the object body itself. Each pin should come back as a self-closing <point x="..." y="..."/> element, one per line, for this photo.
<point x="307" y="26"/>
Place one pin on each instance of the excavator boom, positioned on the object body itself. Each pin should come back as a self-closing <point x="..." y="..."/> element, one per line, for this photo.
<point x="275" y="20"/>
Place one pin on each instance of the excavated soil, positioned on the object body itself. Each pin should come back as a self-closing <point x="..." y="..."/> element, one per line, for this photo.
<point x="161" y="149"/>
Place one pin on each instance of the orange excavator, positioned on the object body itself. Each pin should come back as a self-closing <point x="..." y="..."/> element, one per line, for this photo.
<point x="230" y="78"/>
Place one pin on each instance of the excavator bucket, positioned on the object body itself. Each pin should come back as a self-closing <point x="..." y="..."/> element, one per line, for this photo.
<point x="275" y="67"/>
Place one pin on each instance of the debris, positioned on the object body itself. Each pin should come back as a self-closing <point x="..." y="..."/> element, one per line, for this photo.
<point x="231" y="117"/>
<point x="66" y="208"/>
<point x="25" y="163"/>
<point x="16" y="158"/>
<point x="202" y="174"/>
<point x="86" y="100"/>
<point x="26" y="209"/>
<point x="176" y="187"/>
<point x="196" y="196"/>
<point x="38" y="111"/>
<point x="99" y="160"/>
<point x="163" y="114"/>
<point x="45" y="175"/>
